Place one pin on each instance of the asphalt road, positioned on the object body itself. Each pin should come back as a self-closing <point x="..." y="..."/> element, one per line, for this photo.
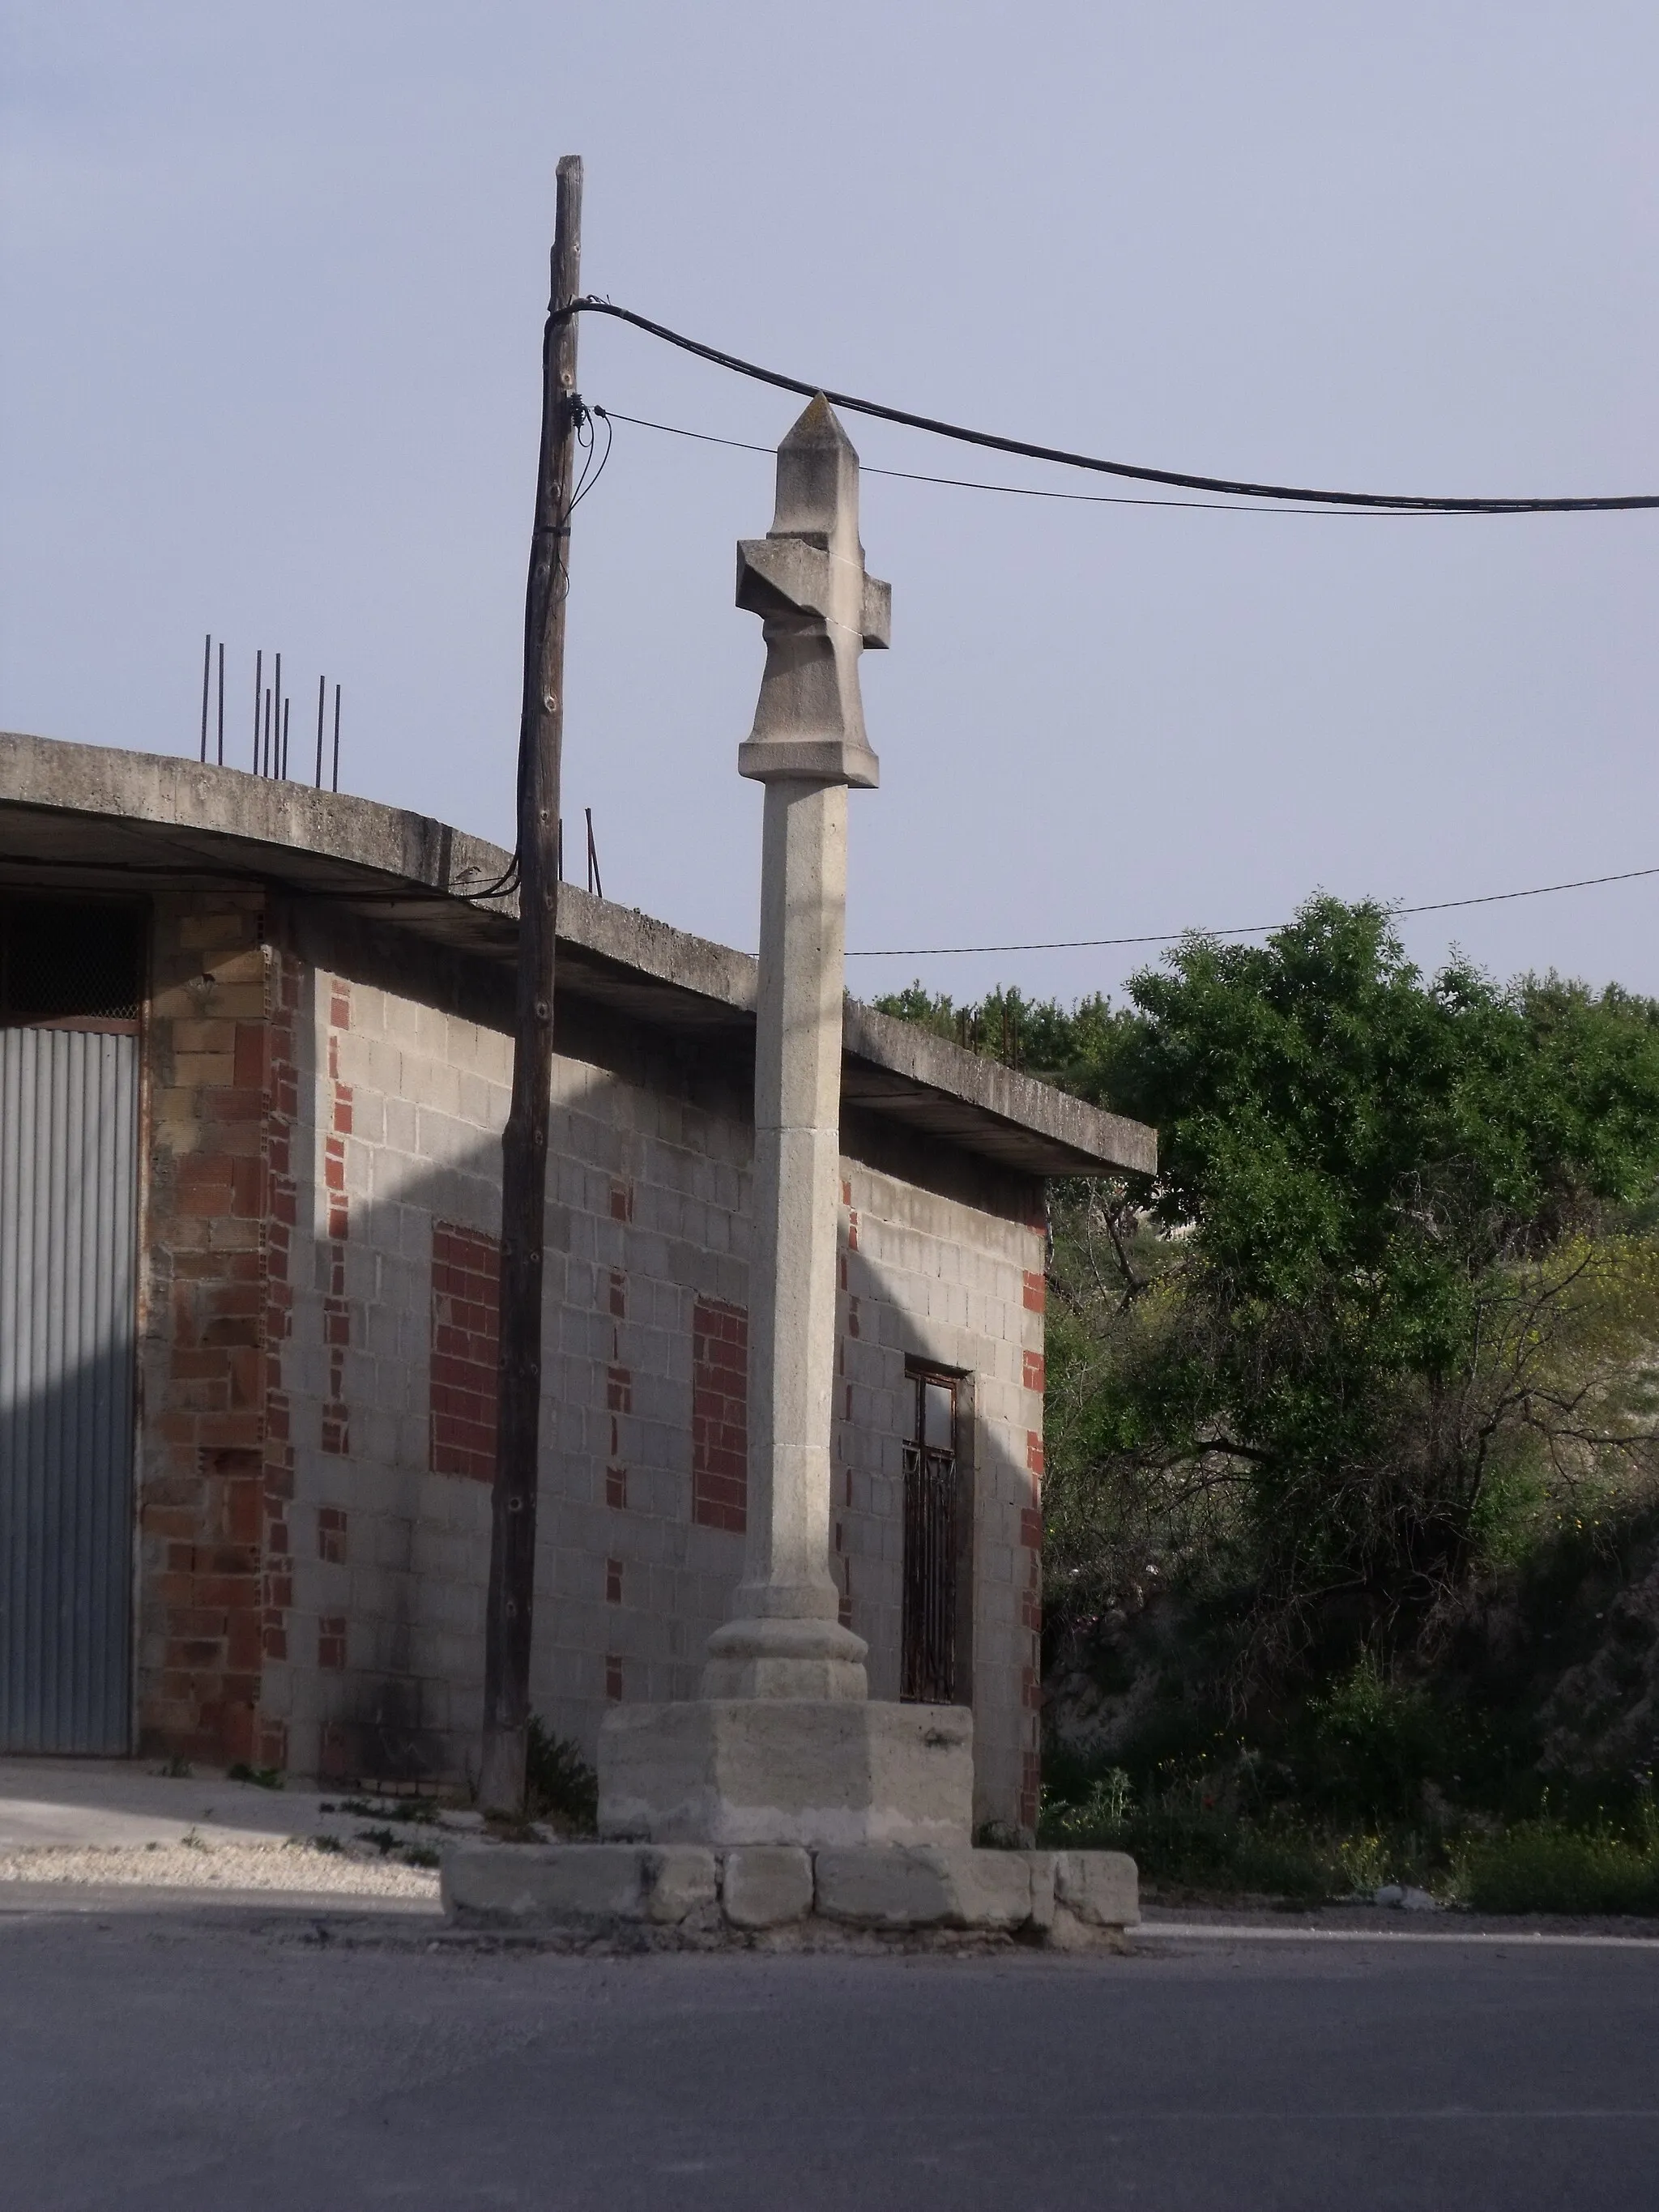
<point x="194" y="2064"/>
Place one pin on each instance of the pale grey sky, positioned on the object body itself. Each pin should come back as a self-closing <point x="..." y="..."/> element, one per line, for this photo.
<point x="271" y="282"/>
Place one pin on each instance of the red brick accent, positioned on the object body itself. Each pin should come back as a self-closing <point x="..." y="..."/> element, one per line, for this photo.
<point x="331" y="1643"/>
<point x="619" y="1384"/>
<point x="336" y="1314"/>
<point x="1032" y="1371"/>
<point x="466" y="1303"/>
<point x="613" y="1571"/>
<point x="1030" y="1678"/>
<point x="622" y="1199"/>
<point x="613" y="1679"/>
<point x="331" y="1533"/>
<point x="719" y="1414"/>
<point x="1036" y="1292"/>
<point x="282" y="1133"/>
<point x="213" y="1586"/>
<point x="1031" y="1598"/>
<point x="1034" y="1450"/>
<point x="1030" y="1787"/>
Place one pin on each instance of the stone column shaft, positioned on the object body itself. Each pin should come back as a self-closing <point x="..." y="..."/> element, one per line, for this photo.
<point x="783" y="1639"/>
<point x="806" y="581"/>
<point x="797" y="1174"/>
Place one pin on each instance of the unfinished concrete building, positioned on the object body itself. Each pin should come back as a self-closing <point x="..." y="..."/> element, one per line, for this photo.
<point x="254" y="1058"/>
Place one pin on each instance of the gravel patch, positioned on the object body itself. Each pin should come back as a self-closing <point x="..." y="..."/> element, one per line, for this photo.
<point x="294" y="1866"/>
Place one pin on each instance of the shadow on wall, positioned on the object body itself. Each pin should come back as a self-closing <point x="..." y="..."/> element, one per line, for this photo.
<point x="322" y="1597"/>
<point x="66" y="1561"/>
<point x="319" y="1370"/>
<point x="361" y="1600"/>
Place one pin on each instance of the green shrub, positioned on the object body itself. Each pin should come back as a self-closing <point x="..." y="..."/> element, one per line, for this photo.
<point x="1369" y="1745"/>
<point x="1538" y="1867"/>
<point x="1182" y="1840"/>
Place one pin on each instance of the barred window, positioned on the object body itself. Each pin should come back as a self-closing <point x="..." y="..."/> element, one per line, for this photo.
<point x="933" y="1502"/>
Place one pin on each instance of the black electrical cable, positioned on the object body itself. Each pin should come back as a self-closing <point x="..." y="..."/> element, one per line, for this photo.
<point x="1246" y="929"/>
<point x="1235" y="488"/>
<point x="586" y="482"/>
<point x="1040" y="491"/>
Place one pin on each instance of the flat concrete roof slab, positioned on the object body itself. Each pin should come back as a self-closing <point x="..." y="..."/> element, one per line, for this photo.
<point x="94" y="816"/>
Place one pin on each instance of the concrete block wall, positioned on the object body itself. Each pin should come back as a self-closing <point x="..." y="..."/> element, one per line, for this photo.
<point x="381" y="1675"/>
<point x="383" y="1670"/>
<point x="328" y="1614"/>
<point x="649" y="1223"/>
<point x="930" y="1279"/>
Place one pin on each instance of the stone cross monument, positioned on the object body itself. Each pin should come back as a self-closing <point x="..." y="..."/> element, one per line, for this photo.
<point x="784" y="1744"/>
<point x="806" y="580"/>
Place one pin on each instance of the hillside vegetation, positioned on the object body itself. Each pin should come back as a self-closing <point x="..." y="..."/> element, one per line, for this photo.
<point x="1352" y="1520"/>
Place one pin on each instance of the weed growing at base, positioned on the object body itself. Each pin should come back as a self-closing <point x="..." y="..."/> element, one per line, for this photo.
<point x="1190" y="1844"/>
<point x="559" y="1783"/>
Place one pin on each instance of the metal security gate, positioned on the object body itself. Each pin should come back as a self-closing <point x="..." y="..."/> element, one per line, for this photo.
<point x="69" y="1128"/>
<point x="931" y="1542"/>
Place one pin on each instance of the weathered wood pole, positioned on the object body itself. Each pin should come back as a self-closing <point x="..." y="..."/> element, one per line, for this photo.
<point x="523" y="1146"/>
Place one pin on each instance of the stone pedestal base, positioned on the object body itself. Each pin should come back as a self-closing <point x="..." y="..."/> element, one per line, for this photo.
<point x="787" y="1770"/>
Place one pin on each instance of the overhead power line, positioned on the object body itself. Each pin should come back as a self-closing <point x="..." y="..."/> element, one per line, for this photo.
<point x="1042" y="491"/>
<point x="1227" y="486"/>
<point x="1246" y="929"/>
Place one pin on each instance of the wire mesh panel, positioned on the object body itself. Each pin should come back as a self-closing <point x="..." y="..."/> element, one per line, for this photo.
<point x="928" y="1672"/>
<point x="63" y="960"/>
<point x="68" y="1206"/>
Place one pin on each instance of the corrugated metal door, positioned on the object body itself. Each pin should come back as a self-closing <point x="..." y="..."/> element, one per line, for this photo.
<point x="69" y="1133"/>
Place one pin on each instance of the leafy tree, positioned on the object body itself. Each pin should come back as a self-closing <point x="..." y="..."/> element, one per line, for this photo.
<point x="1391" y="1287"/>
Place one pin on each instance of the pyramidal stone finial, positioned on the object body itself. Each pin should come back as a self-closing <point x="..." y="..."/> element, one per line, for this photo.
<point x="806" y="580"/>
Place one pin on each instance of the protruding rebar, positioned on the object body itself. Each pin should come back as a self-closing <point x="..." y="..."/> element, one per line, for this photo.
<point x="207" y="673"/>
<point x="221" y="703"/>
<point x="259" y="680"/>
<point x="337" y="737"/>
<point x="322" y="686"/>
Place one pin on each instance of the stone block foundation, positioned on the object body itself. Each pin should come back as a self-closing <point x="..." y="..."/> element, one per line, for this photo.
<point x="693" y="1896"/>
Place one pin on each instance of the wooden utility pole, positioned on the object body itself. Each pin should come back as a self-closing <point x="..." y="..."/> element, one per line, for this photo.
<point x="524" y="1146"/>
